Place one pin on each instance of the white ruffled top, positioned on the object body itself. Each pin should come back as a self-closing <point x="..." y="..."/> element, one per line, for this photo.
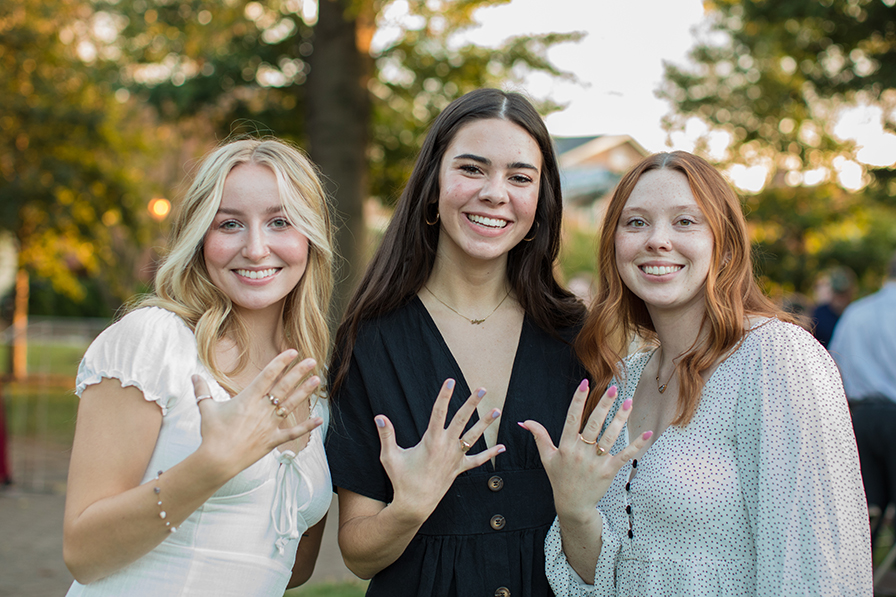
<point x="243" y="540"/>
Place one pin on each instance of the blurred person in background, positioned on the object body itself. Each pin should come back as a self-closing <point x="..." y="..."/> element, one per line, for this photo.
<point x="864" y="347"/>
<point x="199" y="410"/>
<point x="834" y="291"/>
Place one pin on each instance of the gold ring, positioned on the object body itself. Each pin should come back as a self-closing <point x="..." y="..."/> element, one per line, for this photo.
<point x="464" y="446"/>
<point x="601" y="451"/>
<point x="281" y="412"/>
<point x="591" y="443"/>
<point x="273" y="400"/>
<point x="202" y="397"/>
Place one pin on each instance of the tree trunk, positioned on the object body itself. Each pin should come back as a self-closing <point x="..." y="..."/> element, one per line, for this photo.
<point x="20" y="327"/>
<point x="337" y="120"/>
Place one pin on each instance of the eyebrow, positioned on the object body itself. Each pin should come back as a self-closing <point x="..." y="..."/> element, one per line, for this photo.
<point x="487" y="162"/>
<point x="236" y="212"/>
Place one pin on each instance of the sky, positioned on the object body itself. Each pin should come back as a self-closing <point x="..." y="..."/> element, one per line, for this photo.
<point x="619" y="62"/>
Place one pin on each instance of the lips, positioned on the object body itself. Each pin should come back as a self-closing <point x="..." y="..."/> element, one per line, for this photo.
<point x="256" y="274"/>
<point x="660" y="270"/>
<point x="487" y="222"/>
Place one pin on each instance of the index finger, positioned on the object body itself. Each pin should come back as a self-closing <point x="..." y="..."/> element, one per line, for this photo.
<point x="272" y="372"/>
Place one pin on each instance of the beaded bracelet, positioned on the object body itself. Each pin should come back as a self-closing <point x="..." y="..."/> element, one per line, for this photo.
<point x="162" y="513"/>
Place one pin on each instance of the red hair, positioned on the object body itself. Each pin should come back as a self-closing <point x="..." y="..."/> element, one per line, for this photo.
<point x="731" y="293"/>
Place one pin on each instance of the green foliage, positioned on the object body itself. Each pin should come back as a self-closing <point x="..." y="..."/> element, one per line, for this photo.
<point x="69" y="183"/>
<point x="773" y="76"/>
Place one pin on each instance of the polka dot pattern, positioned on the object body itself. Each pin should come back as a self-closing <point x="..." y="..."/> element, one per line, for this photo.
<point x="760" y="494"/>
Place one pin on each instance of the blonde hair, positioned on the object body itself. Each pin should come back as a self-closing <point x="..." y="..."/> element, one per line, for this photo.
<point x="182" y="283"/>
<point x="731" y="291"/>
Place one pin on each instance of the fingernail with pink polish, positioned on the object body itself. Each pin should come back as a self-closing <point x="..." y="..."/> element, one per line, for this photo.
<point x="627" y="405"/>
<point x="612" y="391"/>
<point x="583" y="387"/>
<point x="647" y="435"/>
<point x="379" y="422"/>
<point x="523" y="425"/>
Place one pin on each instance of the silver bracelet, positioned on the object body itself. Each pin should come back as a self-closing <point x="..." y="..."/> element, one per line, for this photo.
<point x="162" y="514"/>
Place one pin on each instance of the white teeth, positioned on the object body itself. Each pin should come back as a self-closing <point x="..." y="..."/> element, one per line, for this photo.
<point x="660" y="270"/>
<point x="490" y="222"/>
<point x="256" y="275"/>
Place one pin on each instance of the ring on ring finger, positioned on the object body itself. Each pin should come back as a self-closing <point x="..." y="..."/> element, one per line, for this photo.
<point x="274" y="401"/>
<point x="601" y="451"/>
<point x="281" y="412"/>
<point x="465" y="445"/>
<point x="590" y="443"/>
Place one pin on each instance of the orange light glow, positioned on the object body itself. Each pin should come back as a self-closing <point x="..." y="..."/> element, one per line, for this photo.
<point x="159" y="208"/>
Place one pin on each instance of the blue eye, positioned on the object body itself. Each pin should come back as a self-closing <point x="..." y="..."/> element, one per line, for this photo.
<point x="229" y="225"/>
<point x="280" y="223"/>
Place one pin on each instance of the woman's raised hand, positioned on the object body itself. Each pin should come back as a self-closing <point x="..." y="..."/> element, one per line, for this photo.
<point x="240" y="431"/>
<point x="422" y="474"/>
<point x="581" y="468"/>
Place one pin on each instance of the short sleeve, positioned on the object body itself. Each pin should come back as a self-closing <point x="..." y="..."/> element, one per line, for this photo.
<point x="151" y="349"/>
<point x="353" y="444"/>
<point x="798" y="467"/>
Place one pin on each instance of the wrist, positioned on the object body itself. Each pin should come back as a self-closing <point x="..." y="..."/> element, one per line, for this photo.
<point x="578" y="516"/>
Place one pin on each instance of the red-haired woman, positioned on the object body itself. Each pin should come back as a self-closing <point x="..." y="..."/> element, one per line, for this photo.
<point x="749" y="484"/>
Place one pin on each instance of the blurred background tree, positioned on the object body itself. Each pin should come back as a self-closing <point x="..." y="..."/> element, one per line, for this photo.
<point x="772" y="81"/>
<point x="70" y="171"/>
<point x="356" y="82"/>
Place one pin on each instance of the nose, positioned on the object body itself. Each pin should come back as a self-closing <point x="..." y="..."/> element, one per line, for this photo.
<point x="660" y="238"/>
<point x="256" y="247"/>
<point x="493" y="190"/>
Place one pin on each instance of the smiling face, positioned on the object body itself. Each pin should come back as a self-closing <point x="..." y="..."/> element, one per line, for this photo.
<point x="252" y="252"/>
<point x="664" y="245"/>
<point x="489" y="183"/>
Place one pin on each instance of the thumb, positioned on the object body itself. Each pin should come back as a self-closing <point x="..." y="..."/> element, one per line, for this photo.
<point x="201" y="391"/>
<point x="543" y="440"/>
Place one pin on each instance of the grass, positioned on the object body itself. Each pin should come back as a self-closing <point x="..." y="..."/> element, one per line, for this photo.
<point x="330" y="589"/>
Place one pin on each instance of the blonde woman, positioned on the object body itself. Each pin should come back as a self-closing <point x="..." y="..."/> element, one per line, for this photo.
<point x="198" y="466"/>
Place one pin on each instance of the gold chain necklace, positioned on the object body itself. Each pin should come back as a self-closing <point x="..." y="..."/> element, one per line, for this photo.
<point x="472" y="321"/>
<point x="662" y="388"/>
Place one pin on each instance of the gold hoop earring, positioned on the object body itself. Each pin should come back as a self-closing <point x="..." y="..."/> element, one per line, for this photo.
<point x="534" y="234"/>
<point x="425" y="219"/>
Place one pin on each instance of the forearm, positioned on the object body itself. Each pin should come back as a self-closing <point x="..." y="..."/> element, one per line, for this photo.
<point x="582" y="538"/>
<point x="371" y="543"/>
<point x="117" y="530"/>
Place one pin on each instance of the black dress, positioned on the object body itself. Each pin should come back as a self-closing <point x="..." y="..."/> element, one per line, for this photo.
<point x="486" y="537"/>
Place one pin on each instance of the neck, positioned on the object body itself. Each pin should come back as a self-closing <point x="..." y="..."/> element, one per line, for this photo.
<point x="265" y="333"/>
<point x="468" y="286"/>
<point x="677" y="333"/>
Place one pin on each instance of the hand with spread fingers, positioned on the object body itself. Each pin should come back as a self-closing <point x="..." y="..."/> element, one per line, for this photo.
<point x="422" y="474"/>
<point x="240" y="431"/>
<point x="581" y="469"/>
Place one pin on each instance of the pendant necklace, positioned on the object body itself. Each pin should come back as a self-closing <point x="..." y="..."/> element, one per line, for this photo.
<point x="472" y="321"/>
<point x="661" y="388"/>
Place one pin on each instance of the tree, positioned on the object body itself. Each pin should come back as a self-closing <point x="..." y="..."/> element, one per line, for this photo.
<point x="773" y="77"/>
<point x="67" y="180"/>
<point x="315" y="78"/>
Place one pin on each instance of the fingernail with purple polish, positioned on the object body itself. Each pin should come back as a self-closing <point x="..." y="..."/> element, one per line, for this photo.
<point x="627" y="405"/>
<point x="496" y="413"/>
<point x="379" y="422"/>
<point x="501" y="449"/>
<point x="450" y="384"/>
<point x="481" y="392"/>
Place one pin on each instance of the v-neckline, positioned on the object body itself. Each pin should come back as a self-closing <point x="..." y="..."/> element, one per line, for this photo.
<point x="462" y="389"/>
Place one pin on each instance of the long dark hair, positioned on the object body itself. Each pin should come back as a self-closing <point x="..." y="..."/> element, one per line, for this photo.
<point x="405" y="258"/>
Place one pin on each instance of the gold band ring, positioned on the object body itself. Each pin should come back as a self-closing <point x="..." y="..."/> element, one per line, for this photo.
<point x="601" y="451"/>
<point x="465" y="446"/>
<point x="281" y="412"/>
<point x="591" y="443"/>
<point x="274" y="401"/>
